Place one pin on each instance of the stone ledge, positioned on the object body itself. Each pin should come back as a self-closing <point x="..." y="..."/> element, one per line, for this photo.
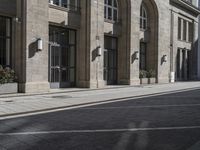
<point x="34" y="87"/>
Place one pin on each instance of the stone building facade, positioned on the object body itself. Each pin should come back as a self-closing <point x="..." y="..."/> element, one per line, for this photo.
<point x="95" y="43"/>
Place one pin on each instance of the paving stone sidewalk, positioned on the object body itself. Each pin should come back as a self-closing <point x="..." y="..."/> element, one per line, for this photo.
<point x="11" y="105"/>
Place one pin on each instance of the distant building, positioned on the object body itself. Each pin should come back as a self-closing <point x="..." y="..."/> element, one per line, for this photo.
<point x="95" y="43"/>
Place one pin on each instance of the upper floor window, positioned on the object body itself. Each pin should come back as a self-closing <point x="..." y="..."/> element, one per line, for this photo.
<point x="143" y="18"/>
<point x="70" y="4"/>
<point x="111" y="10"/>
<point x="185" y="30"/>
<point x="192" y="2"/>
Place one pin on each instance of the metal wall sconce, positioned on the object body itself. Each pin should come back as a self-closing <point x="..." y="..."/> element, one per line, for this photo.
<point x="39" y="44"/>
<point x="136" y="55"/>
<point x="99" y="51"/>
<point x="17" y="19"/>
<point x="164" y="58"/>
<point x="51" y="2"/>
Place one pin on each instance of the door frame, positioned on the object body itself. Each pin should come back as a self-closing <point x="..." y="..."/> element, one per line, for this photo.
<point x="111" y="82"/>
<point x="61" y="84"/>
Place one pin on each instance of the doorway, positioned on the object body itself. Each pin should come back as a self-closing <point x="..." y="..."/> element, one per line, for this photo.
<point x="62" y="57"/>
<point x="182" y="65"/>
<point x="110" y="60"/>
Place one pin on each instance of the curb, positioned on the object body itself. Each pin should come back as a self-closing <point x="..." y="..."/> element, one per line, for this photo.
<point x="95" y="103"/>
<point x="74" y="91"/>
<point x="59" y="92"/>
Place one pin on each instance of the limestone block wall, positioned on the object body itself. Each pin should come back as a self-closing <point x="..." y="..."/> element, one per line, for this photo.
<point x="96" y="39"/>
<point x="35" y="16"/>
<point x="83" y="62"/>
<point x="134" y="25"/>
<point x="163" y="40"/>
<point x="36" y="62"/>
<point x="191" y="46"/>
<point x="63" y="17"/>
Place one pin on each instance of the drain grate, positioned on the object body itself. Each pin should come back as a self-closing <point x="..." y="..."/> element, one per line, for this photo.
<point x="9" y="101"/>
<point x="61" y="97"/>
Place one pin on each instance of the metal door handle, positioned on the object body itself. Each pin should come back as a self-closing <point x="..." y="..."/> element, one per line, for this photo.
<point x="63" y="69"/>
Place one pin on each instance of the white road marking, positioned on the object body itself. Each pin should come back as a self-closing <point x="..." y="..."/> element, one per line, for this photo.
<point x="148" y="106"/>
<point x="100" y="130"/>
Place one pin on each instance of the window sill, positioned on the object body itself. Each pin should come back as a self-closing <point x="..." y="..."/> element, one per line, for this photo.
<point x="111" y="21"/>
<point x="185" y="41"/>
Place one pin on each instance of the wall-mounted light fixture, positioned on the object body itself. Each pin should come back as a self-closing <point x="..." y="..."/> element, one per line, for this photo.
<point x="99" y="51"/>
<point x="39" y="44"/>
<point x="51" y="2"/>
<point x="164" y="58"/>
<point x="17" y="19"/>
<point x="136" y="55"/>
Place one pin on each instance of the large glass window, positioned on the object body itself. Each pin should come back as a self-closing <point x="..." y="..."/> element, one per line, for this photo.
<point x="5" y="41"/>
<point x="143" y="18"/>
<point x="142" y="56"/>
<point x="111" y="10"/>
<point x="70" y="4"/>
<point x="185" y="30"/>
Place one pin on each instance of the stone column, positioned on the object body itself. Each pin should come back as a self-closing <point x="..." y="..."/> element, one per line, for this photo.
<point x="35" y="63"/>
<point x="185" y="64"/>
<point x="198" y="51"/>
<point x="134" y="42"/>
<point x="181" y="64"/>
<point x="92" y="37"/>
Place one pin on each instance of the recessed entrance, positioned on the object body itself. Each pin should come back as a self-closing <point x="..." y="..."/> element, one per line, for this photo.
<point x="182" y="65"/>
<point x="5" y="41"/>
<point x="110" y="60"/>
<point x="62" y="57"/>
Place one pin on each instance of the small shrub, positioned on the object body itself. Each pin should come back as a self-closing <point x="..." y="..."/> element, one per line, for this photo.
<point x="151" y="73"/>
<point x="7" y="75"/>
<point x="143" y="74"/>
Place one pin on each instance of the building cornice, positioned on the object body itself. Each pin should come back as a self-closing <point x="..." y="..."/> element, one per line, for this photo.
<point x="183" y="3"/>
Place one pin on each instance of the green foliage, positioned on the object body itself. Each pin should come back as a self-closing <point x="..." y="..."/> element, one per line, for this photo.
<point x="143" y="73"/>
<point x="147" y="74"/>
<point x="151" y="74"/>
<point x="7" y="75"/>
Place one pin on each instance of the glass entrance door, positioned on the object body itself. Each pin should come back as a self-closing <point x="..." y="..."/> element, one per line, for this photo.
<point x="110" y="60"/>
<point x="62" y="51"/>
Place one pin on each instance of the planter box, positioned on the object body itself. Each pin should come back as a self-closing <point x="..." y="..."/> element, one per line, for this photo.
<point x="8" y="88"/>
<point x="151" y="80"/>
<point x="143" y="80"/>
<point x="147" y="80"/>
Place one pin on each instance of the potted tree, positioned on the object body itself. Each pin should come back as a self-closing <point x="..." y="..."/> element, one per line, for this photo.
<point x="7" y="81"/>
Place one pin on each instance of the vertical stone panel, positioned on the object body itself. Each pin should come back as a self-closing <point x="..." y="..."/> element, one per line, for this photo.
<point x="163" y="40"/>
<point x="36" y="69"/>
<point x="134" y="40"/>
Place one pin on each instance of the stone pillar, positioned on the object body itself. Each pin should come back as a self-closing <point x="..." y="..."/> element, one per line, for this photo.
<point x="35" y="63"/>
<point x="92" y="37"/>
<point x="83" y="56"/>
<point x="198" y="51"/>
<point x="185" y="64"/>
<point x="187" y="31"/>
<point x="181" y="64"/>
<point x="134" y="42"/>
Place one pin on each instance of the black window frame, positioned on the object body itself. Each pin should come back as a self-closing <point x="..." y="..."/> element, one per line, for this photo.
<point x="3" y="62"/>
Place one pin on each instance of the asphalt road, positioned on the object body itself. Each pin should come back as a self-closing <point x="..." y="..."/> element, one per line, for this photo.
<point x="167" y="122"/>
